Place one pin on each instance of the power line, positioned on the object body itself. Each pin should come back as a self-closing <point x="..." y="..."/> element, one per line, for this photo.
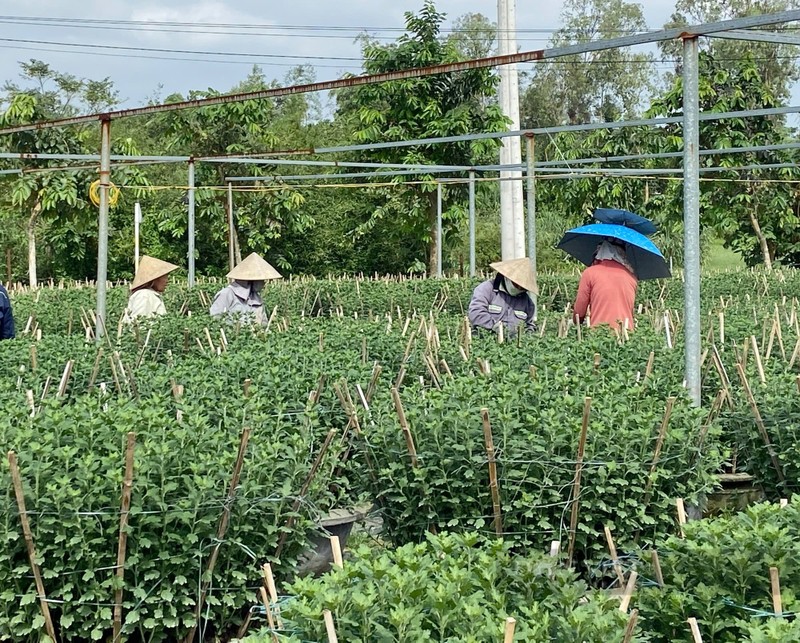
<point x="173" y="51"/>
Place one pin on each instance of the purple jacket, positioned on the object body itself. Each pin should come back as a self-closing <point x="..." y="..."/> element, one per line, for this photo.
<point x="490" y="305"/>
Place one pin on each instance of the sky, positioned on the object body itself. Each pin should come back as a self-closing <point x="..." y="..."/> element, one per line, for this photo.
<point x="88" y="40"/>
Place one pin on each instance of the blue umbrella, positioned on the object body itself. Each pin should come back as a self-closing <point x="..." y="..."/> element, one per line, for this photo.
<point x="626" y="218"/>
<point x="645" y="259"/>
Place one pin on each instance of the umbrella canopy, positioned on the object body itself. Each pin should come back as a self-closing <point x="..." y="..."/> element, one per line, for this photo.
<point x="646" y="260"/>
<point x="626" y="218"/>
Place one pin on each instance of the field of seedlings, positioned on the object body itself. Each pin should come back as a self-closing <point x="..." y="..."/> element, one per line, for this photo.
<point x="168" y="482"/>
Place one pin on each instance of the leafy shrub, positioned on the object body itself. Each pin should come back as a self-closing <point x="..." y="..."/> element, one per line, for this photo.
<point x="450" y="588"/>
<point x="720" y="572"/>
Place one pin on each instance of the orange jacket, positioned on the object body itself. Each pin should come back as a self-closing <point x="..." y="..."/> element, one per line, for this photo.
<point x="607" y="290"/>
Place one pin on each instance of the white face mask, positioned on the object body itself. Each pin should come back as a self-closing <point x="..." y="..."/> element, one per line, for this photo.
<point x="511" y="288"/>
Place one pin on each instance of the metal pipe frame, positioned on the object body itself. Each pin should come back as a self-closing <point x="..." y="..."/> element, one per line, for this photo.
<point x="531" y="202"/>
<point x="472" y="224"/>
<point x="759" y="36"/>
<point x="479" y="63"/>
<point x="190" y="231"/>
<point x="691" y="218"/>
<point x="439" y="239"/>
<point x="102" y="228"/>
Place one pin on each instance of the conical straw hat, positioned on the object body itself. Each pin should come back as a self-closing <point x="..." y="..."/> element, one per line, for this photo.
<point x="254" y="268"/>
<point x="519" y="271"/>
<point x="151" y="268"/>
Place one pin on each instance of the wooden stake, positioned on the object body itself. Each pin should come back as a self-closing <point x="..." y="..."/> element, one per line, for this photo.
<point x="401" y="415"/>
<point x="626" y="597"/>
<point x="757" y="356"/>
<point x="127" y="488"/>
<point x="695" y="630"/>
<point x="721" y="328"/>
<point x="775" y="582"/>
<point x="681" y="515"/>
<point x="493" y="486"/>
<point x="649" y="368"/>
<point x="612" y="549"/>
<point x="303" y="491"/>
<point x="657" y="568"/>
<point x="576" y="488"/>
<point x="630" y="628"/>
<point x="662" y="432"/>
<point x="62" y="386"/>
<point x="221" y="529"/>
<point x="760" y="422"/>
<point x="336" y="550"/>
<point x="26" y="532"/>
<point x="329" y="626"/>
<point x="268" y="609"/>
<point x="269" y="581"/>
<point x="511" y="626"/>
<point x="33" y="357"/>
<point x="246" y="387"/>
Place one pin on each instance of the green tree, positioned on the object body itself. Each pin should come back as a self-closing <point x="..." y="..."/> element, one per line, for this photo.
<point x="441" y="105"/>
<point x="473" y="35"/>
<point x="756" y="212"/>
<point x="777" y="64"/>
<point x="263" y="213"/>
<point x="595" y="86"/>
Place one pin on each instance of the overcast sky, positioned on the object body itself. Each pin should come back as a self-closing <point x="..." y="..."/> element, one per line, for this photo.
<point x="263" y="32"/>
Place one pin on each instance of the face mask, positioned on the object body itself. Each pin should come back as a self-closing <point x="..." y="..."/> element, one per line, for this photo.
<point x="256" y="286"/>
<point x="512" y="289"/>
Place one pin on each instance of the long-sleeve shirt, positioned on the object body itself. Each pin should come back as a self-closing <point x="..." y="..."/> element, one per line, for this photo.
<point x="144" y="302"/>
<point x="490" y="305"/>
<point x="607" y="290"/>
<point x="6" y="316"/>
<point x="238" y="299"/>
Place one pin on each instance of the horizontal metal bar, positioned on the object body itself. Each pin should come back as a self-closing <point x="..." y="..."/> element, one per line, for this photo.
<point x="416" y="166"/>
<point x="91" y="157"/>
<point x="759" y="36"/>
<point x="585" y="127"/>
<point x="478" y="63"/>
<point x="666" y="155"/>
<point x="328" y="176"/>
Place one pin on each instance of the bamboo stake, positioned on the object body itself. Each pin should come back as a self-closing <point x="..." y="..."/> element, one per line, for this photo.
<point x="576" y="489"/>
<point x="721" y="328"/>
<point x="511" y="626"/>
<point x="760" y="422"/>
<point x="612" y="549"/>
<point x="630" y="628"/>
<point x="269" y="580"/>
<point x="662" y="432"/>
<point x="33" y="357"/>
<point x="757" y="356"/>
<point x="681" y="515"/>
<point x="493" y="486"/>
<point x="649" y="368"/>
<point x="775" y="582"/>
<point x="626" y="597"/>
<point x="221" y="529"/>
<point x="304" y="490"/>
<point x="401" y="415"/>
<point x="268" y="609"/>
<point x="329" y="626"/>
<point x="336" y="550"/>
<point x="127" y="488"/>
<point x="695" y="630"/>
<point x="26" y="531"/>
<point x="62" y="386"/>
<point x="657" y="568"/>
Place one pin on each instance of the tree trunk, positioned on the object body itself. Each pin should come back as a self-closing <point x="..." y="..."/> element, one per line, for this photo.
<point x="762" y="240"/>
<point x="9" y="273"/>
<point x="237" y="249"/>
<point x="31" y="233"/>
<point x="434" y="242"/>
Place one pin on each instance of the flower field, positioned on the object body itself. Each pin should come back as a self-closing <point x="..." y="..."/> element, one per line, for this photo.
<point x="154" y="473"/>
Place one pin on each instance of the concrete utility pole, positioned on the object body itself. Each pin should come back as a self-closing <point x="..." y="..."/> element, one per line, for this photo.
<point x="512" y="222"/>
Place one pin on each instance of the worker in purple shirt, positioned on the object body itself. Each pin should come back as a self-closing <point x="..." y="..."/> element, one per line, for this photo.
<point x="6" y="316"/>
<point x="505" y="300"/>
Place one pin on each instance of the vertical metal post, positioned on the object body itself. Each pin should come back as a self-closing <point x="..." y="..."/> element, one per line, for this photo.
<point x="439" y="239"/>
<point x="102" y="226"/>
<point x="531" y="198"/>
<point x="137" y="221"/>
<point x="691" y="217"/>
<point x="231" y="256"/>
<point x="191" y="224"/>
<point x="471" y="223"/>
<point x="531" y="205"/>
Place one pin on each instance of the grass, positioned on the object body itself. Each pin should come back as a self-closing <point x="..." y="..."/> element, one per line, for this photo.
<point x="720" y="258"/>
